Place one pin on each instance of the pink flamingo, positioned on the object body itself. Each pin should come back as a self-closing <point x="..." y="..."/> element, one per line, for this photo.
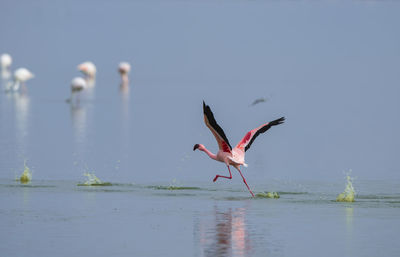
<point x="227" y="155"/>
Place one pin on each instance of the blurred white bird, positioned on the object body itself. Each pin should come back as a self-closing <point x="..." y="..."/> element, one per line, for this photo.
<point x="5" y="62"/>
<point x="77" y="84"/>
<point x="21" y="75"/>
<point x="124" y="68"/>
<point x="88" y="69"/>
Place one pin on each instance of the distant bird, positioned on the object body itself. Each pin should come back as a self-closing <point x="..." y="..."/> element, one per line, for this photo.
<point x="88" y="69"/>
<point x="21" y="75"/>
<point x="5" y="63"/>
<point x="124" y="68"/>
<point x="77" y="84"/>
<point x="259" y="100"/>
<point x="227" y="154"/>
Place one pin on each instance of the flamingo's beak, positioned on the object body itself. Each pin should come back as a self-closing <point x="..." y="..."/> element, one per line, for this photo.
<point x="196" y="146"/>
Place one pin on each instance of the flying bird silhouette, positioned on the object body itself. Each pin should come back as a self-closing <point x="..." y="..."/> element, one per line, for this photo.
<point x="259" y="100"/>
<point x="227" y="154"/>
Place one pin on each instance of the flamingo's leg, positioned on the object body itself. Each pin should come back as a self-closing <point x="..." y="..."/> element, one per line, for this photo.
<point x="244" y="180"/>
<point x="24" y="89"/>
<point x="78" y="98"/>
<point x="230" y="175"/>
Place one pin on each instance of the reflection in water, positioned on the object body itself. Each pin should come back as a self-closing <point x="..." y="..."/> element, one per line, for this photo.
<point x="125" y="118"/>
<point x="349" y="231"/>
<point x="349" y="218"/>
<point x="25" y="196"/>
<point x="22" y="106"/>
<point x="226" y="235"/>
<point x="125" y="98"/>
<point x="79" y="124"/>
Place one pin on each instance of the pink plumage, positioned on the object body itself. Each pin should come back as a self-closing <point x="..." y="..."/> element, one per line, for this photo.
<point x="226" y="154"/>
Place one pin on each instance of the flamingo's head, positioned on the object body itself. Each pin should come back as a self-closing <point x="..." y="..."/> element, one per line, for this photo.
<point x="198" y="146"/>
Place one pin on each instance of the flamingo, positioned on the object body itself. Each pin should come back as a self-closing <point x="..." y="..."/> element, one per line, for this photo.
<point x="77" y="84"/>
<point x="227" y="154"/>
<point x="5" y="63"/>
<point x="21" y="75"/>
<point x="89" y="70"/>
<point x="124" y="68"/>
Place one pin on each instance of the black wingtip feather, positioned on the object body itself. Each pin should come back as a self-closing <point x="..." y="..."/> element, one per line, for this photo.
<point x="278" y="121"/>
<point x="263" y="129"/>
<point x="210" y="116"/>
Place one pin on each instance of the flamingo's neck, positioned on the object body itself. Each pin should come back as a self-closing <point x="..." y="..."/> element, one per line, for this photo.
<point x="210" y="154"/>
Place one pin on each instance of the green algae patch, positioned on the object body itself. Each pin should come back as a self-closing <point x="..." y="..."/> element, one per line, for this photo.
<point x="348" y="193"/>
<point x="98" y="184"/>
<point x="174" y="185"/>
<point x="174" y="188"/>
<point x="92" y="180"/>
<point x="182" y="188"/>
<point x="273" y="195"/>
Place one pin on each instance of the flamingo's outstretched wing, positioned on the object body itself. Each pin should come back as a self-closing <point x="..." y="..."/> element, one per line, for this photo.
<point x="248" y="139"/>
<point x="223" y="142"/>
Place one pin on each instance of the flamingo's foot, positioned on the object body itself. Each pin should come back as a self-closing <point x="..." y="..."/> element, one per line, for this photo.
<point x="215" y="179"/>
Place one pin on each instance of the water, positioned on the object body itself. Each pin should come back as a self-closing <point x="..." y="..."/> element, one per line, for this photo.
<point x="59" y="218"/>
<point x="331" y="68"/>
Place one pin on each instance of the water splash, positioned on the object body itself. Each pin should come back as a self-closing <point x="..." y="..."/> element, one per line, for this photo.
<point x="92" y="180"/>
<point x="26" y="175"/>
<point x="273" y="195"/>
<point x="348" y="193"/>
